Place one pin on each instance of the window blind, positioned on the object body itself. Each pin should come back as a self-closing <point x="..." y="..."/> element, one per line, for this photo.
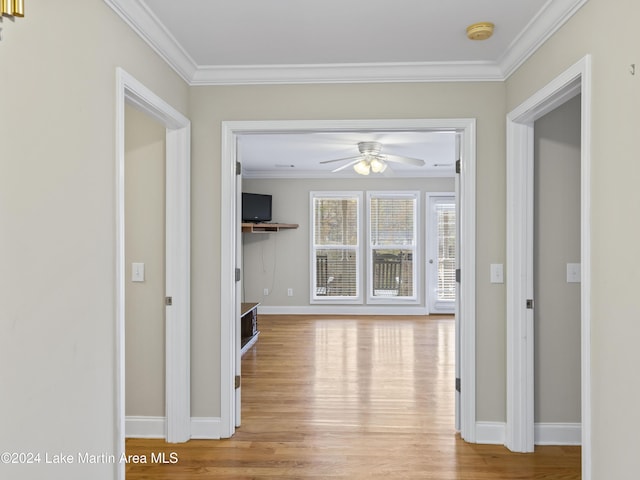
<point x="392" y="239"/>
<point x="446" y="224"/>
<point x="335" y="246"/>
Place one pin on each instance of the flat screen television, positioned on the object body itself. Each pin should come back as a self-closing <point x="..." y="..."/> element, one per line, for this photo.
<point x="256" y="207"/>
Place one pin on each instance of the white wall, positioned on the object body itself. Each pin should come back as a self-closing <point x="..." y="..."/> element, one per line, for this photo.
<point x="57" y="234"/>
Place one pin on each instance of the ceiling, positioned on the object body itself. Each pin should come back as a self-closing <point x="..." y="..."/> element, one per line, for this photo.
<point x="298" y="155"/>
<point x="240" y="42"/>
<point x="309" y="41"/>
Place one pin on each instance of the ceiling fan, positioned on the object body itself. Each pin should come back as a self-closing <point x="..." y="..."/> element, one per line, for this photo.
<point x="371" y="160"/>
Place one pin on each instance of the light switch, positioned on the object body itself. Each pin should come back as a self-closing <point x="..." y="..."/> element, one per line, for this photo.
<point x="137" y="272"/>
<point x="497" y="273"/>
<point x="574" y="273"/>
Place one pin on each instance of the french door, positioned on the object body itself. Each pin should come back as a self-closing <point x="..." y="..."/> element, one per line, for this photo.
<point x="441" y="253"/>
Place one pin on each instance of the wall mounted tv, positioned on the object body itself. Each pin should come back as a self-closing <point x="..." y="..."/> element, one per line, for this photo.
<point x="256" y="207"/>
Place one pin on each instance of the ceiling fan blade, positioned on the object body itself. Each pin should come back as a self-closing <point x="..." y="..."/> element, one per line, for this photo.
<point x="407" y="160"/>
<point x="341" y="159"/>
<point x="346" y="165"/>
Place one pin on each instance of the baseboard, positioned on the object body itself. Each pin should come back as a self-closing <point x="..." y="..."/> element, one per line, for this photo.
<point x="558" y="433"/>
<point x="343" y="310"/>
<point x="205" y="428"/>
<point x="145" y="427"/>
<point x="492" y="433"/>
<point x="156" y="427"/>
<point x="544" y="433"/>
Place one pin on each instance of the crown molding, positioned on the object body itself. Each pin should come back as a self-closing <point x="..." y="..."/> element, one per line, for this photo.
<point x="551" y="17"/>
<point x="137" y="15"/>
<point x="348" y="73"/>
<point x="143" y="22"/>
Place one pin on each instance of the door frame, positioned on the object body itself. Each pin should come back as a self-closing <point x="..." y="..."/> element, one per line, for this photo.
<point x="519" y="434"/>
<point x="230" y="229"/>
<point x="178" y="177"/>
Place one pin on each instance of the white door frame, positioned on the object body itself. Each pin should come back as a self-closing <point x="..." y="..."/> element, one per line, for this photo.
<point x="230" y="229"/>
<point x="178" y="160"/>
<point x="520" y="338"/>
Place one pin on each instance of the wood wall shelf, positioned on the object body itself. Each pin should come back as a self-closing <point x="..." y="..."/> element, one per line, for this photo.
<point x="266" y="227"/>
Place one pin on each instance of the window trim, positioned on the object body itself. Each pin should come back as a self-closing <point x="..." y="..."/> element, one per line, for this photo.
<point x="415" y="299"/>
<point x="358" y="299"/>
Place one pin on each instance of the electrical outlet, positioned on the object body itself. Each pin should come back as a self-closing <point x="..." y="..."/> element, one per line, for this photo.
<point x="290" y="292"/>
<point x="265" y="292"/>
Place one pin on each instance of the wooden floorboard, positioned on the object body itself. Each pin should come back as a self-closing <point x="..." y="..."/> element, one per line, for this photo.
<point x="350" y="397"/>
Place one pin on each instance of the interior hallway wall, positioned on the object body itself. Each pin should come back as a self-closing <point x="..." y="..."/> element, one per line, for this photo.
<point x="615" y="203"/>
<point x="484" y="101"/>
<point x="58" y="235"/>
<point x="556" y="243"/>
<point x="144" y="243"/>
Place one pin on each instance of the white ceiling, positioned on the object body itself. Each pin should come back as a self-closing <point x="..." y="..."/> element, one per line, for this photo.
<point x="222" y="42"/>
<point x="306" y="41"/>
<point x="298" y="155"/>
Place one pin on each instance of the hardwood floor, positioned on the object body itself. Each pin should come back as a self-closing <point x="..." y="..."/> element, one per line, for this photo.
<point x="350" y="397"/>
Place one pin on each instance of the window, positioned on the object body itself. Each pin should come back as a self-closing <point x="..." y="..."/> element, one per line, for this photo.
<point x="336" y="246"/>
<point x="393" y="239"/>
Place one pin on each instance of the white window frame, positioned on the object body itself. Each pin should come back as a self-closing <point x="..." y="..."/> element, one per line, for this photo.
<point x="324" y="299"/>
<point x="431" y="274"/>
<point x="417" y="284"/>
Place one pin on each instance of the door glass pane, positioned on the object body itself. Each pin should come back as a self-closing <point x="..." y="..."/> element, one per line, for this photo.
<point x="446" y="218"/>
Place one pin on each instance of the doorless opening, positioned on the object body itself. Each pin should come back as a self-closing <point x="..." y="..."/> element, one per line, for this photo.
<point x="230" y="229"/>
<point x="177" y="267"/>
<point x="520" y="434"/>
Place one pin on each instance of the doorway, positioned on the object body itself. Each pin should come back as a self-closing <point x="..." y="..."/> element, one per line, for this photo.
<point x="177" y="267"/>
<point x="145" y="253"/>
<point x="520" y="432"/>
<point x="556" y="275"/>
<point x="231" y="230"/>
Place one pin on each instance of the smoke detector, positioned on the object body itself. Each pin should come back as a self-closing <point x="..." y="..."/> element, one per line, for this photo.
<point x="480" y="31"/>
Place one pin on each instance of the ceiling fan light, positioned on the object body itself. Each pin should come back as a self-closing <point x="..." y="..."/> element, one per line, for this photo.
<point x="378" y="165"/>
<point x="362" y="168"/>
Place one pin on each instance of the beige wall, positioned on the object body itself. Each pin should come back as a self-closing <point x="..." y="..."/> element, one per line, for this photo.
<point x="280" y="260"/>
<point x="212" y="105"/>
<point x="556" y="243"/>
<point x="144" y="243"/>
<point x="606" y="30"/>
<point x="58" y="239"/>
<point x="57" y="201"/>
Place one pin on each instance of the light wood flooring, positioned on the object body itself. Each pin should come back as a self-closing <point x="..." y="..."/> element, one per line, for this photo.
<point x="350" y="397"/>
